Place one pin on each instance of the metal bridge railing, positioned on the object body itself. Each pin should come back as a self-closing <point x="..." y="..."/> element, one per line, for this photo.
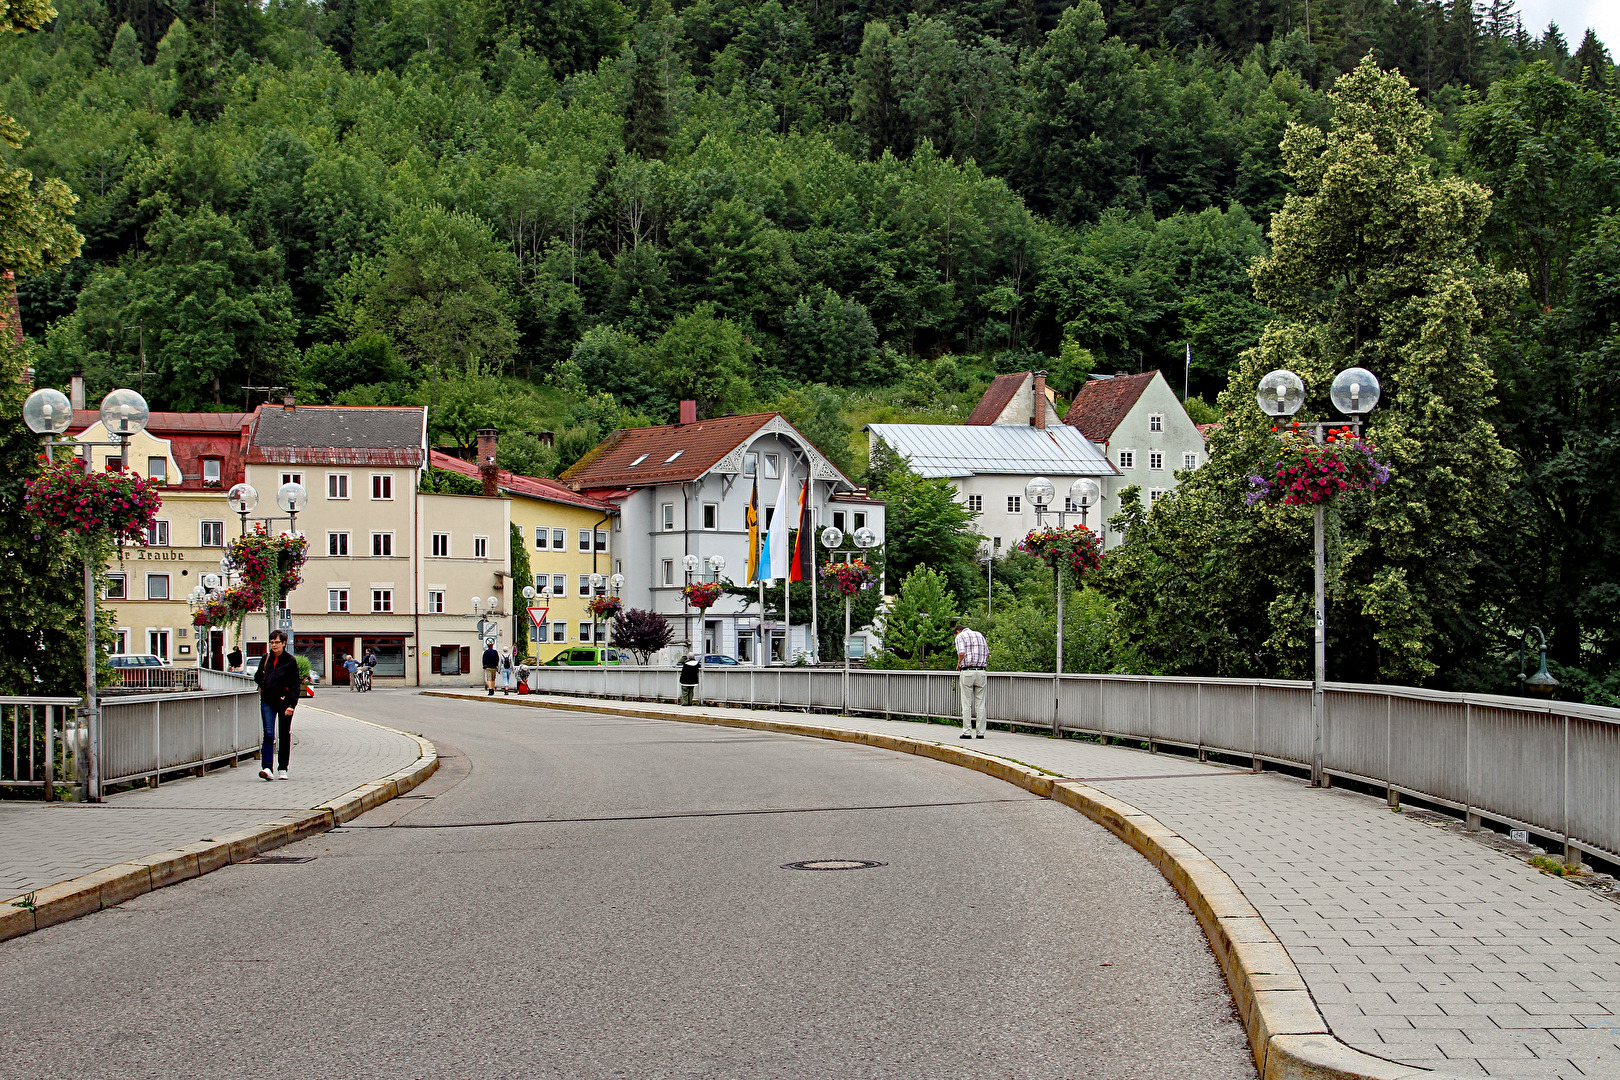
<point x="1545" y="766"/>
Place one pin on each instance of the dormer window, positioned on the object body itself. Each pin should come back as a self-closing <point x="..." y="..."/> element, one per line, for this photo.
<point x="673" y="456"/>
<point x="638" y="461"/>
<point x="210" y="470"/>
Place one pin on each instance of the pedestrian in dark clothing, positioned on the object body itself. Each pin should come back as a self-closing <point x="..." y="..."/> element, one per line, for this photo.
<point x="234" y="659"/>
<point x="278" y="695"/>
<point x="492" y="663"/>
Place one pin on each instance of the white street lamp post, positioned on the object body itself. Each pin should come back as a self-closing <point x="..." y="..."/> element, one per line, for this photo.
<point x="1083" y="493"/>
<point x="1355" y="393"/>
<point x="48" y="413"/>
<point x="717" y="563"/>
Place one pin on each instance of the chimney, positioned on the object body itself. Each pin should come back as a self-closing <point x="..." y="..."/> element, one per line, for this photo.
<point x="1039" y="419"/>
<point x="287" y="403"/>
<point x="487" y="471"/>
<point x="76" y="391"/>
<point x="688" y="412"/>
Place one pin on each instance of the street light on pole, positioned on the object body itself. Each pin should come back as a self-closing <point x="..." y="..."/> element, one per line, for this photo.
<point x="48" y="413"/>
<point x="717" y="563"/>
<point x="1355" y="393"/>
<point x="1083" y="494"/>
<point x="690" y="563"/>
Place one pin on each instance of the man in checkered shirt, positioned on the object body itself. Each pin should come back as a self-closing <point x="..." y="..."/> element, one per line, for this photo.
<point x="972" y="657"/>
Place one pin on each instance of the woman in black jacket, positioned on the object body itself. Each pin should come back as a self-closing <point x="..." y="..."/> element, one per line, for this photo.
<point x="278" y="695"/>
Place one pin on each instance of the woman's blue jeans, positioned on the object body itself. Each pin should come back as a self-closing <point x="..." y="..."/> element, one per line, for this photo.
<point x="269" y="714"/>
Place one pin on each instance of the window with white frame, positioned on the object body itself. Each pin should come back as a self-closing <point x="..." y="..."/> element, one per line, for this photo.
<point x="751" y="465"/>
<point x="601" y="539"/>
<point x="559" y="539"/>
<point x="1070" y="506"/>
<point x="120" y="644"/>
<point x="157" y="643"/>
<point x="669" y="517"/>
<point x="337" y="545"/>
<point x="210" y="470"/>
<point x="157" y="534"/>
<point x="337" y="600"/>
<point x="157" y="468"/>
<point x="559" y="584"/>
<point x="1189" y="460"/>
<point x="337" y="485"/>
<point x="157" y="586"/>
<point x="435" y="601"/>
<point x="584" y="631"/>
<point x="382" y="487"/>
<point x="117" y="587"/>
<point x="1155" y="494"/>
<point x="542" y="538"/>
<point x="211" y="534"/>
<point x="1155" y="459"/>
<point x="1015" y="504"/>
<point x="559" y="631"/>
<point x="584" y="584"/>
<point x="584" y="539"/>
<point x="1127" y="459"/>
<point x="860" y="519"/>
<point x="976" y="503"/>
<point x="711" y="516"/>
<point x="292" y="478"/>
<point x="382" y="600"/>
<point x="772" y="467"/>
<point x="441" y="545"/>
<point x="669" y="571"/>
<point x="1156" y="421"/>
<point x="839" y="518"/>
<point x="382" y="545"/>
<point x="480" y="547"/>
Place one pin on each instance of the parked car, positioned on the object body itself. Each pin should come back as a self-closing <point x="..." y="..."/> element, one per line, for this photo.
<point x="718" y="658"/>
<point x="251" y="666"/>
<point x="136" y="660"/>
<point x="585" y="656"/>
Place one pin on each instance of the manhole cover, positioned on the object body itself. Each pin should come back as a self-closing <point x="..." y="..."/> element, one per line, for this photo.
<point x="282" y="860"/>
<point x="832" y="864"/>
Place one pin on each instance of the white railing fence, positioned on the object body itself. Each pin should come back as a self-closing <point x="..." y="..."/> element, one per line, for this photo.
<point x="43" y="743"/>
<point x="1546" y="766"/>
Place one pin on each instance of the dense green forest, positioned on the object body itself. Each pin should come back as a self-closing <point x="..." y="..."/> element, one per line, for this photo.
<point x="565" y="217"/>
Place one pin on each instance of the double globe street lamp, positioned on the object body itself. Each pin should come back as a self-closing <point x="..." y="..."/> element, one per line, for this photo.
<point x="291" y="497"/>
<point x="1084" y="493"/>
<point x="1354" y="392"/>
<point x="124" y="414"/>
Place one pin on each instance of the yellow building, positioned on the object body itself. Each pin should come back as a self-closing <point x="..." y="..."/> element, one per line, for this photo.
<point x="567" y="537"/>
<point x="196" y="457"/>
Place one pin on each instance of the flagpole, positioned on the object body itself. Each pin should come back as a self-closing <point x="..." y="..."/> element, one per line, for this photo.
<point x="764" y="639"/>
<point x="815" y="583"/>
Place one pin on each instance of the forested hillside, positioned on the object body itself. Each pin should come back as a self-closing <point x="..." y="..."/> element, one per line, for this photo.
<point x="567" y="216"/>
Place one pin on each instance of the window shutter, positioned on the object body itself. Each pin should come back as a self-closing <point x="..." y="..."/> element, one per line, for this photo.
<point x="466" y="659"/>
<point x="435" y="663"/>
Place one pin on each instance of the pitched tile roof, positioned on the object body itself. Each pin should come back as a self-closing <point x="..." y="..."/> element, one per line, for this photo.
<point x="995" y="399"/>
<point x="669" y="454"/>
<point x="533" y="487"/>
<point x="192" y="437"/>
<point x="317" y="434"/>
<point x="1102" y="404"/>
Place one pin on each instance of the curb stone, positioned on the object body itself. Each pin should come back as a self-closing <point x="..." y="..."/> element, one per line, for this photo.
<point x="113" y="885"/>
<point x="1287" y="1034"/>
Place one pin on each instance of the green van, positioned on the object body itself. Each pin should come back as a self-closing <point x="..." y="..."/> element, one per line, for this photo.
<point x="584" y="656"/>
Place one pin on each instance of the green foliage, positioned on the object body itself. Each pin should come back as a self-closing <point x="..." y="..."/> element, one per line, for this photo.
<point x="919" y="629"/>
<point x="522" y="572"/>
<point x="1023" y="632"/>
<point x="927" y="526"/>
<point x="703" y="358"/>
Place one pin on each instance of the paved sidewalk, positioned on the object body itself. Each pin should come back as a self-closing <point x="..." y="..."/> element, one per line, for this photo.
<point x="50" y="842"/>
<point x="1419" y="945"/>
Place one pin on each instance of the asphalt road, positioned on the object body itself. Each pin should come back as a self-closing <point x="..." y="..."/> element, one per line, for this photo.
<point x="580" y="896"/>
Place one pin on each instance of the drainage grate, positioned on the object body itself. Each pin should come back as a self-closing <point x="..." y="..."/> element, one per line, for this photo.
<point x="833" y="864"/>
<point x="282" y="860"/>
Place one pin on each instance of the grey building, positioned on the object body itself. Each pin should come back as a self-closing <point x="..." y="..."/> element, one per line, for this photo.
<point x="685" y="489"/>
<point x="1143" y="429"/>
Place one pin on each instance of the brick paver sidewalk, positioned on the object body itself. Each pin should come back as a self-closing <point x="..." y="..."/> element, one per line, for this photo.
<point x="1419" y="945"/>
<point x="45" y="843"/>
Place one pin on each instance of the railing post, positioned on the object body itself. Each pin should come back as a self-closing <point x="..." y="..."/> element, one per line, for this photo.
<point x="50" y="751"/>
<point x="1391" y="796"/>
<point x="1256" y="764"/>
<point x="1470" y="818"/>
<point x="1198" y="714"/>
<point x="1572" y="854"/>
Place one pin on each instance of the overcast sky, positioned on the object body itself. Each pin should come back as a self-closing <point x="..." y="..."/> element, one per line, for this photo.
<point x="1573" y="17"/>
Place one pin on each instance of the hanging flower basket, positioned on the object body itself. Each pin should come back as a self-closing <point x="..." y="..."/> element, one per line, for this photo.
<point x="270" y="566"/>
<point x="118" y="505"/>
<point x="1306" y="474"/>
<point x="603" y="607"/>
<point x="226" y="608"/>
<point x="848" y="578"/>
<point x="702" y="594"/>
<point x="1077" y="548"/>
